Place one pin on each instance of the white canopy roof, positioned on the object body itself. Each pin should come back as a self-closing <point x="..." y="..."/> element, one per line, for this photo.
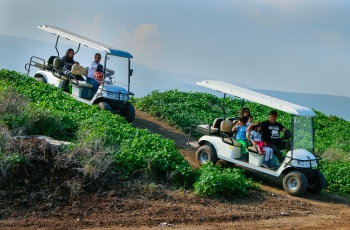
<point x="257" y="97"/>
<point x="85" y="41"/>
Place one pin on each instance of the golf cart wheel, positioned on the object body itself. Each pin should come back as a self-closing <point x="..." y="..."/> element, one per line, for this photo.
<point x="104" y="105"/>
<point x="129" y="113"/>
<point x="316" y="183"/>
<point x="295" y="183"/>
<point x="40" y="78"/>
<point x="206" y="153"/>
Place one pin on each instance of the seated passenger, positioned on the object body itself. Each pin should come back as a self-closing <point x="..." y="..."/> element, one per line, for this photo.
<point x="68" y="61"/>
<point x="98" y="75"/>
<point x="245" y="112"/>
<point x="271" y="133"/>
<point x="250" y="120"/>
<point x="92" y="69"/>
<point x="260" y="145"/>
<point x="241" y="129"/>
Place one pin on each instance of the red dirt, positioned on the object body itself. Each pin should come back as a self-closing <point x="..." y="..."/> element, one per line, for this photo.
<point x="131" y="205"/>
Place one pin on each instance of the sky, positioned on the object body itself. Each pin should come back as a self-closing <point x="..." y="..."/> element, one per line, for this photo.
<point x="291" y="45"/>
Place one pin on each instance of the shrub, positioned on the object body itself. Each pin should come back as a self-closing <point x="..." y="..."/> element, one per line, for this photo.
<point x="56" y="114"/>
<point x="215" y="181"/>
<point x="337" y="176"/>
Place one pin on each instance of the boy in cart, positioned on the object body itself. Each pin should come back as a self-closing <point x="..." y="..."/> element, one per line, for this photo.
<point x="241" y="129"/>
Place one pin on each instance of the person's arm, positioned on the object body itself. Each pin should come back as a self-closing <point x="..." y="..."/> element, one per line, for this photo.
<point x="282" y="128"/>
<point x="234" y="129"/>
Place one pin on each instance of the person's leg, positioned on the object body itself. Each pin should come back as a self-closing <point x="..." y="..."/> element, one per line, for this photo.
<point x="276" y="151"/>
<point x="284" y="145"/>
<point x="244" y="146"/>
<point x="261" y="145"/>
<point x="93" y="82"/>
<point x="243" y="149"/>
<point x="267" y="154"/>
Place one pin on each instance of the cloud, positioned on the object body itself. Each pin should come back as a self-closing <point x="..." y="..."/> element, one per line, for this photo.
<point x="143" y="41"/>
<point x="89" y="29"/>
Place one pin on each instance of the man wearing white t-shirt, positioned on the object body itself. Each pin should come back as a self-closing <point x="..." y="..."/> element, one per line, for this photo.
<point x="92" y="69"/>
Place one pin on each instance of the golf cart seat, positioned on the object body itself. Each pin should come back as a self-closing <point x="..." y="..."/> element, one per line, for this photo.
<point x="45" y="66"/>
<point x="226" y="133"/>
<point x="82" y="71"/>
<point x="211" y="129"/>
<point x="57" y="69"/>
<point x="233" y="119"/>
<point x="50" y="61"/>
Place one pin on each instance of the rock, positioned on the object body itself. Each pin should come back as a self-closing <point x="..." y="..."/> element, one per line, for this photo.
<point x="165" y="224"/>
<point x="285" y="214"/>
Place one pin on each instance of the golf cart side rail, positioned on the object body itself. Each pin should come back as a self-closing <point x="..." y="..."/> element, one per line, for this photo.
<point x="257" y="97"/>
<point x="85" y="41"/>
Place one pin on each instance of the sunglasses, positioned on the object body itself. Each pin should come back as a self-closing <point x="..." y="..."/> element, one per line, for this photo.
<point x="247" y="111"/>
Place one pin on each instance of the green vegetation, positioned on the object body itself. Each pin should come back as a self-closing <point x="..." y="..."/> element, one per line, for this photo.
<point x="103" y="144"/>
<point x="216" y="181"/>
<point x="46" y="110"/>
<point x="181" y="109"/>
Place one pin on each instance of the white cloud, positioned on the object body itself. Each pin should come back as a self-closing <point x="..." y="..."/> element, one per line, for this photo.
<point x="89" y="29"/>
<point x="144" y="42"/>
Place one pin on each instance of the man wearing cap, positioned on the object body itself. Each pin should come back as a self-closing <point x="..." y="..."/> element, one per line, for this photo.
<point x="271" y="134"/>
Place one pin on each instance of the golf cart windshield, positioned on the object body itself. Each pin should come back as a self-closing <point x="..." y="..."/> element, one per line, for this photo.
<point x="117" y="70"/>
<point x="303" y="133"/>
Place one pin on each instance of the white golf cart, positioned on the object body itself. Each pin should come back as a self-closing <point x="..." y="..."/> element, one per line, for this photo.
<point x="110" y="94"/>
<point x="300" y="166"/>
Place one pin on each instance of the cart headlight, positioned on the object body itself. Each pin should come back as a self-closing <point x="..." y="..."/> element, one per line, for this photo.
<point x="300" y="163"/>
<point x="123" y="97"/>
<point x="114" y="96"/>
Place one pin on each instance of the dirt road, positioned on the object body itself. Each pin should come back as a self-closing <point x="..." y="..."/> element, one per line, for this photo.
<point x="135" y="206"/>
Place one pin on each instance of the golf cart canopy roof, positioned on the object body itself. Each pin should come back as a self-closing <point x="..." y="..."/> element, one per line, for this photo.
<point x="257" y="97"/>
<point x="85" y="41"/>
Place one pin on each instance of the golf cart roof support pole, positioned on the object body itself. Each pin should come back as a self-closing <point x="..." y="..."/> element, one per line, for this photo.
<point x="104" y="70"/>
<point x="129" y="75"/>
<point x="292" y="142"/>
<point x="240" y="109"/>
<point x="223" y="106"/>
<point x="77" y="49"/>
<point x="313" y="135"/>
<point x="58" y="53"/>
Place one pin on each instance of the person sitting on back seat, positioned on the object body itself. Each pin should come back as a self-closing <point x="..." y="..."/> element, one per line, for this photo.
<point x="68" y="61"/>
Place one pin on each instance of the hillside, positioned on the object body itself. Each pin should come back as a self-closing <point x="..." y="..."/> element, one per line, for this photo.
<point x="117" y="176"/>
<point x="146" y="79"/>
<point x="132" y="205"/>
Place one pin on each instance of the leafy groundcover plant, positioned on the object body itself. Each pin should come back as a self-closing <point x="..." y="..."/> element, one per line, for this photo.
<point x="181" y="109"/>
<point x="99" y="138"/>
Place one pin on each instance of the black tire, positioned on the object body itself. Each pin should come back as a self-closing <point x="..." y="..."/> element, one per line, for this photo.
<point x="40" y="79"/>
<point x="104" y="106"/>
<point x="129" y="113"/>
<point x="316" y="183"/>
<point x="295" y="183"/>
<point x="206" y="153"/>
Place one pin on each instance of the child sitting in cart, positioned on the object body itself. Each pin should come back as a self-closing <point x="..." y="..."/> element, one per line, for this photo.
<point x="260" y="145"/>
<point x="241" y="129"/>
